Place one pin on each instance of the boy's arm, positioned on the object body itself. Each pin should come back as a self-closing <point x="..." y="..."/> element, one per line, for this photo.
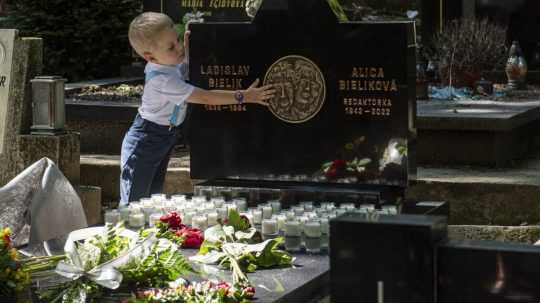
<point x="253" y="94"/>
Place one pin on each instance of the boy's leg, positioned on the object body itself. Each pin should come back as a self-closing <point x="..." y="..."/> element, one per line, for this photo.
<point x="161" y="172"/>
<point x="143" y="149"/>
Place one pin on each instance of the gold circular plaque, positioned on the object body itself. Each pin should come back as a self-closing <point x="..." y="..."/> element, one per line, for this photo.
<point x="300" y="89"/>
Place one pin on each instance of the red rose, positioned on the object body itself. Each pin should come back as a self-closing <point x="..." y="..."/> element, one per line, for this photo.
<point x="173" y="219"/>
<point x="193" y="237"/>
<point x="339" y="164"/>
<point x="223" y="285"/>
<point x="249" y="292"/>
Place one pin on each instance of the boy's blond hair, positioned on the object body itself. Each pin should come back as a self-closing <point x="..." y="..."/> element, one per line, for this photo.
<point x="144" y="29"/>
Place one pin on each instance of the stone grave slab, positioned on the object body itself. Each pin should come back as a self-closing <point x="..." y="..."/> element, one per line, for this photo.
<point x="344" y="112"/>
<point x="489" y="133"/>
<point x="488" y="271"/>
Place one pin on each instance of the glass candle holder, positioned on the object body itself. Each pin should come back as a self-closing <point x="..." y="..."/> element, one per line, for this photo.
<point x="154" y="218"/>
<point x="136" y="220"/>
<point x="188" y="217"/>
<point x="257" y="216"/>
<point x="390" y="209"/>
<point x="267" y="212"/>
<point x="222" y="213"/>
<point x="158" y="198"/>
<point x="293" y="236"/>
<point x="212" y="218"/>
<point x="290" y="215"/>
<point x="178" y="198"/>
<point x="218" y="202"/>
<point x="312" y="231"/>
<point x="200" y="222"/>
<point x="281" y="219"/>
<point x="269" y="229"/>
<point x="307" y="205"/>
<point x="241" y="204"/>
<point x="124" y="213"/>
<point x="298" y="210"/>
<point x="112" y="216"/>
<point x="276" y="206"/>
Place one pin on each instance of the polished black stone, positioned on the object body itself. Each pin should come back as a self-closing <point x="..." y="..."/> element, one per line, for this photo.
<point x="380" y="258"/>
<point x="292" y="193"/>
<point x="249" y="142"/>
<point x="488" y="271"/>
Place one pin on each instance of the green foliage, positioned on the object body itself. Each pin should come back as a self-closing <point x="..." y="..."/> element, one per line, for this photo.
<point x="82" y="39"/>
<point x="111" y="244"/>
<point x="156" y="269"/>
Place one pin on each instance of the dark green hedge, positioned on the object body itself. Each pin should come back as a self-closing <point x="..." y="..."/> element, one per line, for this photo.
<point x="84" y="39"/>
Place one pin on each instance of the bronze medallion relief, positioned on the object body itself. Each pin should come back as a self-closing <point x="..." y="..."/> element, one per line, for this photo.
<point x="300" y="89"/>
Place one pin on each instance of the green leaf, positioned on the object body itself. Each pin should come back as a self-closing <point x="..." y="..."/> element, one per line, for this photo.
<point x="237" y="222"/>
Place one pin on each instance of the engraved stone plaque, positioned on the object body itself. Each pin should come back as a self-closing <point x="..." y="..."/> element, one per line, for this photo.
<point x="7" y="40"/>
<point x="300" y="86"/>
<point x="344" y="107"/>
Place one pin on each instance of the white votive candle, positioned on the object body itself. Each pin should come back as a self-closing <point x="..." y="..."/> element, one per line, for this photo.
<point x="267" y="212"/>
<point x="212" y="218"/>
<point x="269" y="227"/>
<point x="276" y="206"/>
<point x="124" y="213"/>
<point x="158" y="198"/>
<point x="281" y="219"/>
<point x="154" y="218"/>
<point x="292" y="229"/>
<point x="312" y="229"/>
<point x="298" y="210"/>
<point x="240" y="203"/>
<point x="218" y="201"/>
<point x="222" y="213"/>
<point x="257" y="216"/>
<point x="136" y="220"/>
<point x="200" y="222"/>
<point x="178" y="198"/>
<point x="187" y="217"/>
<point x="112" y="216"/>
<point x="308" y="205"/>
<point x="325" y="227"/>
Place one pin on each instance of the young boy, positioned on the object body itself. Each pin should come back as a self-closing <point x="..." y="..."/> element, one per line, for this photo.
<point x="148" y="143"/>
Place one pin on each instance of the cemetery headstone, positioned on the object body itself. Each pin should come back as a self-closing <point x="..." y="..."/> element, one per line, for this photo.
<point x="381" y="258"/>
<point x="209" y="10"/>
<point x="344" y="111"/>
<point x="21" y="59"/>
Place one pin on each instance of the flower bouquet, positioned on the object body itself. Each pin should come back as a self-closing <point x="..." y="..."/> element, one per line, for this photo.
<point x="197" y="292"/>
<point x="103" y="260"/>
<point x="236" y="246"/>
<point x="170" y="227"/>
<point x="17" y="271"/>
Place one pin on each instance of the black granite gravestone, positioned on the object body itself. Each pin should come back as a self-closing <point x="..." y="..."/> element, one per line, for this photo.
<point x="211" y="10"/>
<point x="345" y="105"/>
<point x="380" y="258"/>
<point x="488" y="271"/>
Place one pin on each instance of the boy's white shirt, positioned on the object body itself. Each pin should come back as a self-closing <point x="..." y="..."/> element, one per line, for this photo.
<point x="165" y="86"/>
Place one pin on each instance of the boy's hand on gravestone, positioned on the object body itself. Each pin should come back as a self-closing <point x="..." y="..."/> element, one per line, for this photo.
<point x="259" y="95"/>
